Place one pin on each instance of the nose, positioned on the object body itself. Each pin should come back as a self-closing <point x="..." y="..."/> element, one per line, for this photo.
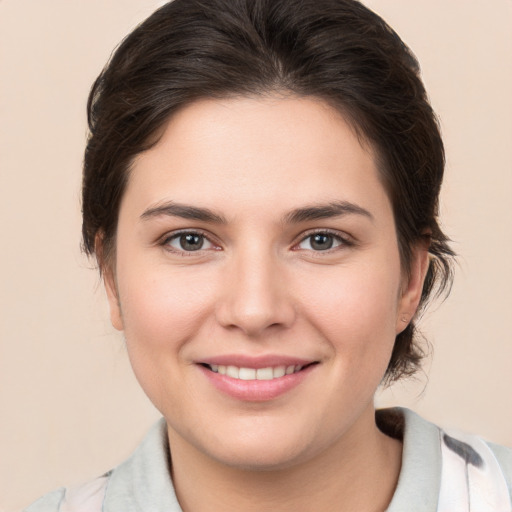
<point x="255" y="296"/>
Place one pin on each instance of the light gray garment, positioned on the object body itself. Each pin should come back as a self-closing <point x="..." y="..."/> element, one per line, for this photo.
<point x="143" y="483"/>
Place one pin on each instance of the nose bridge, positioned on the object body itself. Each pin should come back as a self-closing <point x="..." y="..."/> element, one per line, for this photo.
<point x="255" y="295"/>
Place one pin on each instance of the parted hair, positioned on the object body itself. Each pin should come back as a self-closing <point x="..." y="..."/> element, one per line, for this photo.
<point x="335" y="50"/>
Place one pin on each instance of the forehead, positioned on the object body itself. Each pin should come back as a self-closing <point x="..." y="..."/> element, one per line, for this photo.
<point x="256" y="151"/>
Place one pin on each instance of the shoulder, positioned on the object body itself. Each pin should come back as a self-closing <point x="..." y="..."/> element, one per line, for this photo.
<point x="48" y="503"/>
<point x="503" y="455"/>
<point x="475" y="472"/>
<point x="88" y="497"/>
<point x="445" y="470"/>
<point x="142" y="482"/>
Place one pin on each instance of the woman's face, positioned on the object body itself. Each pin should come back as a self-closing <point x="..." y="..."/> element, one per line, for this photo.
<point x="257" y="280"/>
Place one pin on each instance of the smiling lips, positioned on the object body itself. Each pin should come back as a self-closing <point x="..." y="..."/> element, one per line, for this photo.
<point x="257" y="380"/>
<point x="268" y="373"/>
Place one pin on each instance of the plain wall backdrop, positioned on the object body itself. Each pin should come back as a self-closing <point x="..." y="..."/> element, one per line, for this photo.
<point x="70" y="407"/>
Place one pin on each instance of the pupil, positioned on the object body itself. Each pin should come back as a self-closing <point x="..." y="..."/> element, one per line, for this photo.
<point x="321" y="242"/>
<point x="191" y="242"/>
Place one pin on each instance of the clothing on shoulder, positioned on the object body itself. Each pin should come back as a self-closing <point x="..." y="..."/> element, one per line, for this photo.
<point x="442" y="471"/>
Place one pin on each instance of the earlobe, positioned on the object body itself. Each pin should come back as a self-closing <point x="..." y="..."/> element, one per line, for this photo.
<point x="109" y="281"/>
<point x="413" y="287"/>
<point x="113" y="300"/>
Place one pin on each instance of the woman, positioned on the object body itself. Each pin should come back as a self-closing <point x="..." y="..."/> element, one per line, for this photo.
<point x="260" y="191"/>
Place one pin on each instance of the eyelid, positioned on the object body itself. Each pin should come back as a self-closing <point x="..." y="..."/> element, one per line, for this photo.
<point x="165" y="239"/>
<point x="345" y="239"/>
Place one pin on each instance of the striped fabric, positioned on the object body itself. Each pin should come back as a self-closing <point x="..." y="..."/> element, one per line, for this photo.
<point x="471" y="478"/>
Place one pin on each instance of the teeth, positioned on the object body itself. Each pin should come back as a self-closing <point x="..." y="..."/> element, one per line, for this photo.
<point x="233" y="372"/>
<point x="264" y="374"/>
<point x="252" y="374"/>
<point x="247" y="374"/>
<point x="280" y="371"/>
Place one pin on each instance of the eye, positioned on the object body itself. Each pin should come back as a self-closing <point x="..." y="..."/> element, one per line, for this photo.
<point x="189" y="241"/>
<point x="322" y="241"/>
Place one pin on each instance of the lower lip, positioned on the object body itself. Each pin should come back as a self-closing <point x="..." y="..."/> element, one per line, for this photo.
<point x="256" y="390"/>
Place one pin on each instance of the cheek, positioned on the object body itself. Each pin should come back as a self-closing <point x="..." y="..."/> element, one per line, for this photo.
<point x="355" y="309"/>
<point x="161" y="307"/>
<point x="162" y="310"/>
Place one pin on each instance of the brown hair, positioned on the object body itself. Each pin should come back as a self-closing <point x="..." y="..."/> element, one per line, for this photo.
<point x="337" y="50"/>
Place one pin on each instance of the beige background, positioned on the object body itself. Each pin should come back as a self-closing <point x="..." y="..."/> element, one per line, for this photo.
<point x="70" y="408"/>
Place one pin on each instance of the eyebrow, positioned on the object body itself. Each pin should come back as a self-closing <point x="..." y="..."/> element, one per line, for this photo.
<point x="172" y="209"/>
<point x="307" y="213"/>
<point x="325" y="211"/>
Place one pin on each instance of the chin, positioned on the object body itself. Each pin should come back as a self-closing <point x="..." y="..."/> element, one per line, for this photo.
<point x="260" y="458"/>
<point x="259" y="446"/>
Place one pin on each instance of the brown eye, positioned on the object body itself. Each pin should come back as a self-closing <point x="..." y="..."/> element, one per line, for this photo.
<point x="188" y="242"/>
<point x="322" y="241"/>
<point x="191" y="242"/>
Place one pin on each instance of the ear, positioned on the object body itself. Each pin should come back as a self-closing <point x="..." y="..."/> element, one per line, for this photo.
<point x="109" y="281"/>
<point x="412" y="286"/>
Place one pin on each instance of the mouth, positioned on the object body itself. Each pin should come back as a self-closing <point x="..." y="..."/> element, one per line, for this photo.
<point x="260" y="378"/>
<point x="267" y="373"/>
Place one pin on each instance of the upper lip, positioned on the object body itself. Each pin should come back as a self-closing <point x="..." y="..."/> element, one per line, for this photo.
<point x="256" y="362"/>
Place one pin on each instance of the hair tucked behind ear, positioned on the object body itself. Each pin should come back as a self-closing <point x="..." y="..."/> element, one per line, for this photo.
<point x="336" y="50"/>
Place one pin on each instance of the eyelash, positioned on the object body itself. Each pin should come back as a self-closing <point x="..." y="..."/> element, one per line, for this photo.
<point x="176" y="235"/>
<point x="344" y="241"/>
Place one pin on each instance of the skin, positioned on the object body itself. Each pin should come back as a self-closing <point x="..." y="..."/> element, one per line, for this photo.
<point x="257" y="287"/>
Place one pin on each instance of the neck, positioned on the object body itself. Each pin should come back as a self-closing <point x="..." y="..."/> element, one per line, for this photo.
<point x="337" y="479"/>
